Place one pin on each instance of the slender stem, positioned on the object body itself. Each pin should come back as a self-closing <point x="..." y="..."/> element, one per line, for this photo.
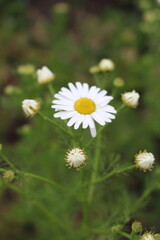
<point x="126" y="235"/>
<point x="56" y="124"/>
<point x="114" y="172"/>
<point x="50" y="87"/>
<point x="93" y="177"/>
<point x="41" y="178"/>
<point x="7" y="160"/>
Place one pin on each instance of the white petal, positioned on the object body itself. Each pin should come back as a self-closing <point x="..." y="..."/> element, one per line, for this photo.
<point x="79" y="121"/>
<point x="67" y="115"/>
<point x="62" y="107"/>
<point x="74" y="90"/>
<point x="63" y="102"/>
<point x="85" y="89"/>
<point x="93" y="91"/>
<point x="91" y="122"/>
<point x="73" y="120"/>
<point x="109" y="108"/>
<point x="85" y="121"/>
<point x="80" y="89"/>
<point x="67" y="93"/>
<point x="98" y="118"/>
<point x="93" y="132"/>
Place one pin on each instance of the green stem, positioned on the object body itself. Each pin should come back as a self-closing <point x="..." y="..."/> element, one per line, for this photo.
<point x="114" y="172"/>
<point x="93" y="176"/>
<point x="41" y="178"/>
<point x="55" y="124"/>
<point x="50" y="87"/>
<point x="38" y="177"/>
<point x="126" y="235"/>
<point x="7" y="160"/>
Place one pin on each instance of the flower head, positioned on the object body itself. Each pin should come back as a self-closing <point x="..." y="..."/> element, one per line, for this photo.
<point x="75" y="158"/>
<point x="8" y="176"/>
<point x="147" y="236"/>
<point x="83" y="105"/>
<point x="94" y="69"/>
<point x="30" y="107"/>
<point x="45" y="75"/>
<point x="131" y="99"/>
<point x="137" y="227"/>
<point x="144" y="160"/>
<point x="106" y="65"/>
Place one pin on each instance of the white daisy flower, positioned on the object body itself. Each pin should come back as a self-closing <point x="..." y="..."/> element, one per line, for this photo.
<point x="44" y="75"/>
<point x="30" y="107"/>
<point x="144" y="160"/>
<point x="83" y="105"/>
<point x="75" y="158"/>
<point x="131" y="99"/>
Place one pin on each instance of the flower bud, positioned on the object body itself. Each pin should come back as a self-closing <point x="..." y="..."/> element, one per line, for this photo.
<point x="30" y="107"/>
<point x="44" y="75"/>
<point x="106" y="65"/>
<point x="61" y="7"/>
<point x="118" y="82"/>
<point x="75" y="158"/>
<point x="137" y="227"/>
<point x="94" y="69"/>
<point x="26" y="69"/>
<point x="144" y="160"/>
<point x="1" y="146"/>
<point x="8" y="176"/>
<point x="131" y="99"/>
<point x="116" y="228"/>
<point x="147" y="236"/>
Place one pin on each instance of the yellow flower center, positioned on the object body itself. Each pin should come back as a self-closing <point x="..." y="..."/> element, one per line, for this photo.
<point x="85" y="106"/>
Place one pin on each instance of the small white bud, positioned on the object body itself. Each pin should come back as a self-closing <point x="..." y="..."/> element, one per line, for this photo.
<point x="144" y="160"/>
<point x="131" y="99"/>
<point x="75" y="158"/>
<point x="44" y="75"/>
<point x="30" y="107"/>
<point x="147" y="236"/>
<point x="106" y="65"/>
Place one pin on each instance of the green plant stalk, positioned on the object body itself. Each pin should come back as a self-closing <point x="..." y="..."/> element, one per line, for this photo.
<point x="126" y="235"/>
<point x="7" y="160"/>
<point x="55" y="124"/>
<point x="93" y="177"/>
<point x="51" y="89"/>
<point x="114" y="172"/>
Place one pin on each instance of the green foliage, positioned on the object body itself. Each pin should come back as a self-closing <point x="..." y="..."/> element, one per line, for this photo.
<point x="46" y="200"/>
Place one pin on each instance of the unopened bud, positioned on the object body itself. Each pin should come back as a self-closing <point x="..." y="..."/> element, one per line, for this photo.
<point x="136" y="227"/>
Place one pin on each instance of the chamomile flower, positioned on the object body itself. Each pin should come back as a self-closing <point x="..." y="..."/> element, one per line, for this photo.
<point x="75" y="158"/>
<point x="131" y="99"/>
<point x="83" y="105"/>
<point x="44" y="75"/>
<point x="144" y="160"/>
<point x="30" y="107"/>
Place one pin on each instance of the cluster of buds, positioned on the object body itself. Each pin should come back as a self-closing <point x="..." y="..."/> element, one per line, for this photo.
<point x="105" y="65"/>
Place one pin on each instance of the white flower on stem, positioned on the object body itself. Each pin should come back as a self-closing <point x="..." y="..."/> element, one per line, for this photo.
<point x="144" y="160"/>
<point x="44" y="75"/>
<point x="75" y="158"/>
<point x="131" y="99"/>
<point x="30" y="107"/>
<point x="83" y="105"/>
<point x="106" y="65"/>
<point x="147" y="236"/>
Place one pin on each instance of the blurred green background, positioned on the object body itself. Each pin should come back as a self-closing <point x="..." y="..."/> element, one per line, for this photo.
<point x="69" y="39"/>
